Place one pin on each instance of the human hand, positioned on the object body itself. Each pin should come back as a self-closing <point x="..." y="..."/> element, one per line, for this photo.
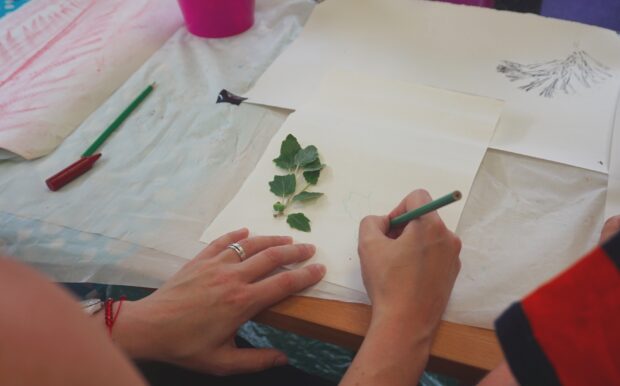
<point x="193" y="318"/>
<point x="409" y="273"/>
<point x="610" y="228"/>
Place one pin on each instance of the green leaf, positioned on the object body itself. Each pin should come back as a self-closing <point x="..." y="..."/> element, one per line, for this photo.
<point x="307" y="196"/>
<point x="288" y="150"/>
<point x="312" y="177"/>
<point x="314" y="166"/>
<point x="298" y="221"/>
<point x="306" y="156"/>
<point x="312" y="171"/>
<point x="283" y="186"/>
<point x="279" y="207"/>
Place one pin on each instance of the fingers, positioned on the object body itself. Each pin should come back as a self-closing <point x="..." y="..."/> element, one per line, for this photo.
<point x="219" y="244"/>
<point x="413" y="200"/>
<point x="429" y="224"/>
<point x="252" y="246"/>
<point x="373" y="227"/>
<point x="245" y="360"/>
<point x="272" y="258"/>
<point x="279" y="286"/>
<point x="611" y="227"/>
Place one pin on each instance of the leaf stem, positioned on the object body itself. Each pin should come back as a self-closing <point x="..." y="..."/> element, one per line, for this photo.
<point x="286" y="201"/>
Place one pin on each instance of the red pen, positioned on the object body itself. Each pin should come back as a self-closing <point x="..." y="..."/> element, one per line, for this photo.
<point x="71" y="172"/>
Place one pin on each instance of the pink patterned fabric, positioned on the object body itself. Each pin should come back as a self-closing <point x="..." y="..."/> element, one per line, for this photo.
<point x="60" y="60"/>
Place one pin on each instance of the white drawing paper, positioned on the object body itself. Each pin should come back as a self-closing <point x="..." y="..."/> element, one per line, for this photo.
<point x="560" y="79"/>
<point x="612" y="203"/>
<point x="380" y="139"/>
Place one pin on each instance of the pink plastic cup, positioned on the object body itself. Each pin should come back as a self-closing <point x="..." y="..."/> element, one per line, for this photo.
<point x="217" y="18"/>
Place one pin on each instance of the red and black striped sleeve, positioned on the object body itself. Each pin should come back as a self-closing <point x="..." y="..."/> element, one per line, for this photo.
<point x="567" y="332"/>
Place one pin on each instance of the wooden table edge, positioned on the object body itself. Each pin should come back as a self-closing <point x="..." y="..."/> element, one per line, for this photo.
<point x="456" y="346"/>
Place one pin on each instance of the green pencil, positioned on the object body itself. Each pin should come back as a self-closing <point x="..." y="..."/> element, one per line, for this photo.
<point x="118" y="121"/>
<point x="424" y="209"/>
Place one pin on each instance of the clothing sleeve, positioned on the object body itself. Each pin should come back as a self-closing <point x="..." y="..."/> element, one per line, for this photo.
<point x="567" y="332"/>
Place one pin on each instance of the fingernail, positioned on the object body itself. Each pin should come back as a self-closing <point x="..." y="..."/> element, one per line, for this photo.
<point x="310" y="247"/>
<point x="321" y="268"/>
<point x="280" y="361"/>
<point x="286" y="239"/>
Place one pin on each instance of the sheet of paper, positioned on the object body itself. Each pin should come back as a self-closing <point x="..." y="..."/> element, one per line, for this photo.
<point x="612" y="203"/>
<point x="380" y="139"/>
<point x="526" y="221"/>
<point x="559" y="79"/>
<point x="60" y="60"/>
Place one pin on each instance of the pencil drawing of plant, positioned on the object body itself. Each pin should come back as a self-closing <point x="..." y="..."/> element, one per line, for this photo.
<point x="549" y="78"/>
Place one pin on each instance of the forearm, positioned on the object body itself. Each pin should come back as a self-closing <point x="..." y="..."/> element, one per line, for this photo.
<point x="394" y="352"/>
<point x="500" y="376"/>
<point x="131" y="333"/>
<point x="47" y="340"/>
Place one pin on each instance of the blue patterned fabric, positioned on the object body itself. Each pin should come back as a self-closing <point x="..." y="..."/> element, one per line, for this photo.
<point x="8" y="6"/>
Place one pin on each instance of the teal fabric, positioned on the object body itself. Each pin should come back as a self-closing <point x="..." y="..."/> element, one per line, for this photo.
<point x="8" y="6"/>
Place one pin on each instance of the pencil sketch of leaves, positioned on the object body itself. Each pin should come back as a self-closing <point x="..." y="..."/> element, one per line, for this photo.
<point x="356" y="206"/>
<point x="579" y="69"/>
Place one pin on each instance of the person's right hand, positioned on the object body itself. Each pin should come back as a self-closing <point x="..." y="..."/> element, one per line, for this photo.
<point x="409" y="273"/>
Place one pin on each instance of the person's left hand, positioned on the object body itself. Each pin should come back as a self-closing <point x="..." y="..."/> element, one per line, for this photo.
<point x="192" y="319"/>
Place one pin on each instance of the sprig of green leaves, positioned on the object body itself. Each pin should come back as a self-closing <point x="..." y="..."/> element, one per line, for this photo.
<point x="299" y="163"/>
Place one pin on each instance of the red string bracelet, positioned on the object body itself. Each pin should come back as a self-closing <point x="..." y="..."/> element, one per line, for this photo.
<point x="110" y="315"/>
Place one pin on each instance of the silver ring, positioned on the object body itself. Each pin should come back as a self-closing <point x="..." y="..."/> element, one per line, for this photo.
<point x="239" y="249"/>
